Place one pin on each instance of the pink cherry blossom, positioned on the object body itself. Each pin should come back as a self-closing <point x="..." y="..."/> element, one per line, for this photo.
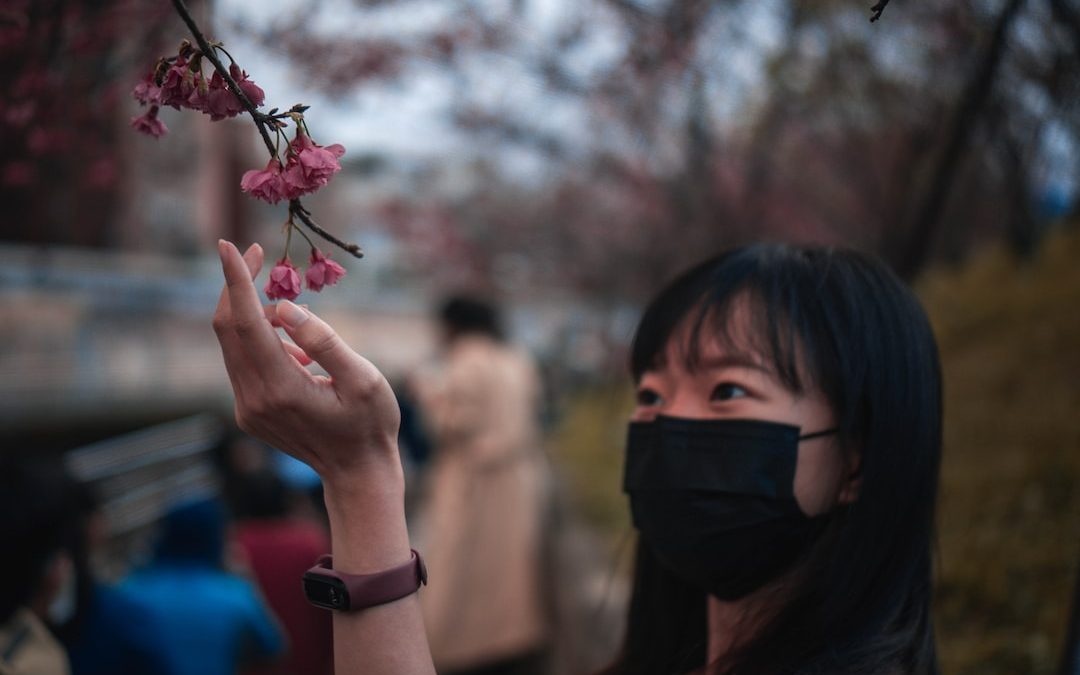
<point x="220" y="101"/>
<point x="44" y="139"/>
<point x="20" y="114"/>
<point x="18" y="174"/>
<point x="198" y="99"/>
<point x="284" y="281"/>
<point x="149" y="123"/>
<point x="265" y="184"/>
<point x="177" y="85"/>
<point x="146" y="91"/>
<point x="253" y="91"/>
<point x="310" y="166"/>
<point x="102" y="174"/>
<point x="322" y="271"/>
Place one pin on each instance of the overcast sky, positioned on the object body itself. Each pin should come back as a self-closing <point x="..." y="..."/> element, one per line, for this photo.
<point x="408" y="117"/>
<point x="398" y="119"/>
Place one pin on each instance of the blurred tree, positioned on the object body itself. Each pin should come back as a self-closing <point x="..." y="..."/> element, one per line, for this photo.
<point x="65" y="71"/>
<point x="669" y="128"/>
<point x="616" y="140"/>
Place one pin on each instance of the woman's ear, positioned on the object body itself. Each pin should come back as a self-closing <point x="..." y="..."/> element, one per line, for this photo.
<point x="852" y="484"/>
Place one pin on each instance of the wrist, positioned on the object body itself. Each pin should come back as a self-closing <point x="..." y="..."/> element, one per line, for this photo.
<point x="365" y="483"/>
<point x="367" y="523"/>
<point x="371" y="476"/>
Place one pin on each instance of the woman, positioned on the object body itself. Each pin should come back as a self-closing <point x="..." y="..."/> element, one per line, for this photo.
<point x="807" y="547"/>
<point x="781" y="466"/>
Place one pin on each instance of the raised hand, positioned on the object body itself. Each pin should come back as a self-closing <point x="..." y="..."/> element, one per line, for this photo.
<point x="344" y="425"/>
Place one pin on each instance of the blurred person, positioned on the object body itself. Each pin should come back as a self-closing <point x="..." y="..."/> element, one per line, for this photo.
<point x="304" y="486"/>
<point x="415" y="443"/>
<point x="112" y="631"/>
<point x="280" y="541"/>
<point x="38" y="519"/>
<point x="481" y="523"/>
<point x="214" y="622"/>
<point x="413" y="435"/>
<point x="235" y="455"/>
<point x="782" y="468"/>
<point x="238" y="455"/>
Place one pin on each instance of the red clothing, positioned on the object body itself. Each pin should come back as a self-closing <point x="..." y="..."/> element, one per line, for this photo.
<point x="280" y="551"/>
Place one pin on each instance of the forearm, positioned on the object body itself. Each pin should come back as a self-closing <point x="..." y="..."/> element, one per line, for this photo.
<point x="343" y="425"/>
<point x="368" y="533"/>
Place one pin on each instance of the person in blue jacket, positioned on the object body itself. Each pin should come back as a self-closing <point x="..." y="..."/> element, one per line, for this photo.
<point x="214" y="622"/>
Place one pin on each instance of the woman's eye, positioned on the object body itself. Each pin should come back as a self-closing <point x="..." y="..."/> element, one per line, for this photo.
<point x="648" y="397"/>
<point x="727" y="391"/>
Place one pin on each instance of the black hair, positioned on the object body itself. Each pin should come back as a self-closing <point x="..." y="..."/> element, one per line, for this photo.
<point x="87" y="503"/>
<point x="465" y="314"/>
<point x="842" y="322"/>
<point x="39" y="516"/>
<point x="263" y="494"/>
<point x="193" y="531"/>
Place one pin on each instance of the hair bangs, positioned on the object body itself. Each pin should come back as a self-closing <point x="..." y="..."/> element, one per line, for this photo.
<point x="748" y="323"/>
<point x="751" y="308"/>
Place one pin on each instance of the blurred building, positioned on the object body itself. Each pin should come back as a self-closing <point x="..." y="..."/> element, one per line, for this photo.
<point x="107" y="248"/>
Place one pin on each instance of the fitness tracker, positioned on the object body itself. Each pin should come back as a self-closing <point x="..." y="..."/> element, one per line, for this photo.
<point x="328" y="588"/>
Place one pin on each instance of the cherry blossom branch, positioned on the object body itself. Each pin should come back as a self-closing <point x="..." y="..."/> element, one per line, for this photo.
<point x="297" y="209"/>
<point x="261" y="120"/>
<point x="211" y="55"/>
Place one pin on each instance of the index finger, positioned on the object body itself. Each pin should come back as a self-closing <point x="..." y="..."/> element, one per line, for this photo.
<point x="234" y="353"/>
<point x="247" y="317"/>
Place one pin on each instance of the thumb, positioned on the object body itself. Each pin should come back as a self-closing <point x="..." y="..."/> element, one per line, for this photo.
<point x="319" y="341"/>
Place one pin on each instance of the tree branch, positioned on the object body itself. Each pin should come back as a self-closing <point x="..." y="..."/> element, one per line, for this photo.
<point x="208" y="52"/>
<point x="1070" y="17"/>
<point x="260" y="119"/>
<point x="297" y="209"/>
<point x="920" y="237"/>
<point x="877" y="9"/>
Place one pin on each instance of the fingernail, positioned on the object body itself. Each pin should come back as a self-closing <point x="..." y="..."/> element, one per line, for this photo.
<point x="222" y="246"/>
<point x="292" y="315"/>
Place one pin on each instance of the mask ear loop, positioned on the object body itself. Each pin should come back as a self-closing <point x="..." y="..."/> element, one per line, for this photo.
<point x="826" y="432"/>
<point x="854" y="475"/>
<point x="816" y="434"/>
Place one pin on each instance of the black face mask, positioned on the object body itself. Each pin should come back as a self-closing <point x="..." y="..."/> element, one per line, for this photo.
<point x="714" y="500"/>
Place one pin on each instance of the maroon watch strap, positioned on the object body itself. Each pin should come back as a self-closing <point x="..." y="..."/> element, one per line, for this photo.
<point x="332" y="589"/>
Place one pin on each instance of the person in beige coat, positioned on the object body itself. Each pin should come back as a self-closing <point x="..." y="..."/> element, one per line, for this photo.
<point x="487" y="489"/>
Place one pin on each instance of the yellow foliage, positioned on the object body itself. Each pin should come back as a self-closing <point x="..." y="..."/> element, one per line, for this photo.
<point x="588" y="447"/>
<point x="1009" y="511"/>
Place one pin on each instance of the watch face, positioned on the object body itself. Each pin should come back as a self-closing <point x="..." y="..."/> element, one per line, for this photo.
<point x="325" y="591"/>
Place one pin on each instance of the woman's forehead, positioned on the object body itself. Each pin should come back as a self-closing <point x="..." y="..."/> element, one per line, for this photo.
<point x="731" y="331"/>
<point x="735" y="335"/>
<point x="707" y="349"/>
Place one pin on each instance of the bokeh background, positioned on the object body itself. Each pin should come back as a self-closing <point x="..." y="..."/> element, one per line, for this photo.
<point x="566" y="157"/>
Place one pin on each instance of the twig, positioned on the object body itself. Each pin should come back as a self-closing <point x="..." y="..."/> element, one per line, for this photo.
<point x="877" y="9"/>
<point x="208" y="52"/>
<point x="297" y="209"/>
<point x="1070" y="17"/>
<point x="921" y="235"/>
<point x="260" y="119"/>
